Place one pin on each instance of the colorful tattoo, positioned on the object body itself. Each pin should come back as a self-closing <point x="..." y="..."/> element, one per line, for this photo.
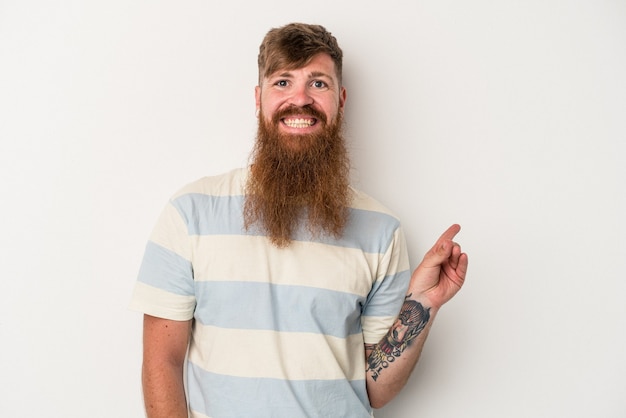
<point x="411" y="321"/>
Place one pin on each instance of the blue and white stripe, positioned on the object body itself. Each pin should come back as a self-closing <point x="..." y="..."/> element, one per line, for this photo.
<point x="276" y="330"/>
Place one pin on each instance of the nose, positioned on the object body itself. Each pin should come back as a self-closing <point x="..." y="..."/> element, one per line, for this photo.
<point x="301" y="96"/>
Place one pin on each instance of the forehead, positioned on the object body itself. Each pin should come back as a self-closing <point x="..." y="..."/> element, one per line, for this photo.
<point x="321" y="65"/>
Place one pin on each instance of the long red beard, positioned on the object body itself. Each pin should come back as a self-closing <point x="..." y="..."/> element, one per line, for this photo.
<point x="298" y="178"/>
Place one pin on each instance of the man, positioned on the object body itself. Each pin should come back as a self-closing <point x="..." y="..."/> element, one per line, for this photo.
<point x="280" y="283"/>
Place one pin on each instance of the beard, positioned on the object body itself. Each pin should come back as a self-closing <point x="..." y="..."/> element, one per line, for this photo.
<point x="298" y="179"/>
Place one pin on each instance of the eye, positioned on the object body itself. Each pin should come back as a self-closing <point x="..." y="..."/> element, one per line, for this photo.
<point x="281" y="83"/>
<point x="319" y="84"/>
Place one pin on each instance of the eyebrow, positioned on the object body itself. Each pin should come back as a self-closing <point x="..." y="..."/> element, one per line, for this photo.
<point x="288" y="74"/>
<point x="320" y="74"/>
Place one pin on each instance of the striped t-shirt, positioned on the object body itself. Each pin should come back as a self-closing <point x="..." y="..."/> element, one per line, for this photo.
<point x="277" y="332"/>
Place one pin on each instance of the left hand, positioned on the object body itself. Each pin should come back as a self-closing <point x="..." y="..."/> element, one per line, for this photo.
<point x="441" y="273"/>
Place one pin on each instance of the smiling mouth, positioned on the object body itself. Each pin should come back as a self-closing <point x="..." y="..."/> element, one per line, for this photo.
<point x="299" y="122"/>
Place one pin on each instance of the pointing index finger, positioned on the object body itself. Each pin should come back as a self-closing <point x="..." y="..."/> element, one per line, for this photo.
<point x="450" y="232"/>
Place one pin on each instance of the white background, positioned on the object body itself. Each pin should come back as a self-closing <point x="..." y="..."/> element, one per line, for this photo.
<point x="507" y="117"/>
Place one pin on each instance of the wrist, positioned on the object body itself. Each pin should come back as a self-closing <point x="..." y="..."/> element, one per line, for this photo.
<point x="424" y="300"/>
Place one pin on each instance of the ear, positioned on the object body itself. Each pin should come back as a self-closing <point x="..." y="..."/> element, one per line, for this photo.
<point x="343" y="95"/>
<point x="257" y="97"/>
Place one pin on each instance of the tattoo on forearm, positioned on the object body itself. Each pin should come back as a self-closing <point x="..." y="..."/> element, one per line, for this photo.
<point x="411" y="321"/>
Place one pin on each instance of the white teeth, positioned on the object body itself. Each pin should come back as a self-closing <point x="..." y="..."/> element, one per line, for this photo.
<point x="299" y="123"/>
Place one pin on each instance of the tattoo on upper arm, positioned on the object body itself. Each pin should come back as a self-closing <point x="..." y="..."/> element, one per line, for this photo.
<point x="411" y="321"/>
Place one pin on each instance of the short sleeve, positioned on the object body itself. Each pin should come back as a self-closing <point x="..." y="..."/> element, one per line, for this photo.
<point x="165" y="283"/>
<point x="388" y="291"/>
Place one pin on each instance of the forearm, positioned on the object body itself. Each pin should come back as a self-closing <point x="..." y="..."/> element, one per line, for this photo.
<point x="164" y="348"/>
<point x="435" y="281"/>
<point x="391" y="361"/>
<point x="163" y="390"/>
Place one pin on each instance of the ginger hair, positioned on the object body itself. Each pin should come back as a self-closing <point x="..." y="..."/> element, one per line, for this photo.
<point x="294" y="45"/>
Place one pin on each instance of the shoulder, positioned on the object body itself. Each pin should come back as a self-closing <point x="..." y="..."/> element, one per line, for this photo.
<point x="363" y="201"/>
<point x="372" y="225"/>
<point x="226" y="184"/>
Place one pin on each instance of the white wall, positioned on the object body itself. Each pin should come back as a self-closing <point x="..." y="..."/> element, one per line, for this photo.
<point x="505" y="116"/>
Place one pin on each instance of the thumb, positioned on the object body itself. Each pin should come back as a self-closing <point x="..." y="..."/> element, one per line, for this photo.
<point x="442" y="249"/>
<point x="439" y="253"/>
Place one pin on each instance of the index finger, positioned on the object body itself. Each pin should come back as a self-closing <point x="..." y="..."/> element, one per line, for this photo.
<point x="450" y="232"/>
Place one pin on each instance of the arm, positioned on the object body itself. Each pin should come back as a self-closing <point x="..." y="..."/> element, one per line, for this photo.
<point x="164" y="349"/>
<point x="436" y="280"/>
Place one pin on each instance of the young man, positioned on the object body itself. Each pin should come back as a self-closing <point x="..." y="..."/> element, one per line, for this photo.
<point x="279" y="282"/>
